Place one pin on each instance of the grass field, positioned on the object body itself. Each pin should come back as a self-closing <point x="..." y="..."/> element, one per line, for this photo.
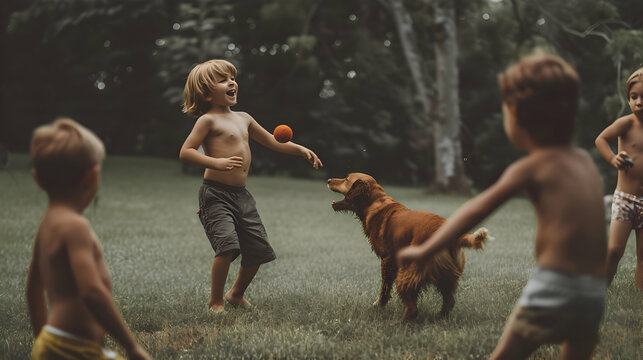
<point x="312" y="302"/>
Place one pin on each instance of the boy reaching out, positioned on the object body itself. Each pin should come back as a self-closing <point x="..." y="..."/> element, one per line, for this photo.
<point x="564" y="300"/>
<point x="227" y="210"/>
<point x="627" y="203"/>
<point x="67" y="263"/>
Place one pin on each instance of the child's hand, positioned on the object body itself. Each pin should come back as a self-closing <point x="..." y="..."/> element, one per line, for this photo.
<point x="409" y="253"/>
<point x="227" y="164"/>
<point x="619" y="160"/>
<point x="312" y="158"/>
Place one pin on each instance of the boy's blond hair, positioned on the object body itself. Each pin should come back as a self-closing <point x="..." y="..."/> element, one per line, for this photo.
<point x="544" y="89"/>
<point x="61" y="152"/>
<point x="202" y="78"/>
<point x="636" y="76"/>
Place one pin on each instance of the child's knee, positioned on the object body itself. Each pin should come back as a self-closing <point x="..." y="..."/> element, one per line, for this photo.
<point x="615" y="253"/>
<point x="639" y="252"/>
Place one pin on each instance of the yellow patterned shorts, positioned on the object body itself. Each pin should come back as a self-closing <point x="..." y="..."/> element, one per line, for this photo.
<point x="55" y="344"/>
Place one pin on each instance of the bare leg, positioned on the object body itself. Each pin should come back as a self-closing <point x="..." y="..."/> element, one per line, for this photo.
<point x="578" y="350"/>
<point x="220" y="266"/>
<point x="513" y="346"/>
<point x="619" y="232"/>
<point x="638" y="276"/>
<point x="235" y="295"/>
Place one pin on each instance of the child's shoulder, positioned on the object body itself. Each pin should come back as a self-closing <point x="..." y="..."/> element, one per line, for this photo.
<point x="60" y="226"/>
<point x="550" y="157"/>
<point x="243" y="114"/>
<point x="73" y="227"/>
<point x="625" y="122"/>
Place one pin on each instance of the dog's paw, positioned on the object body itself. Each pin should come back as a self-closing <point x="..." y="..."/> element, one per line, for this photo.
<point x="379" y="303"/>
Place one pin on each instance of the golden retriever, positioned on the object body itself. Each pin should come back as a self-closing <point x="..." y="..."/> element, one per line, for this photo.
<point x="391" y="226"/>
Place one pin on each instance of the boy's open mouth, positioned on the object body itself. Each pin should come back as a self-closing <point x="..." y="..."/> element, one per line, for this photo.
<point x="231" y="92"/>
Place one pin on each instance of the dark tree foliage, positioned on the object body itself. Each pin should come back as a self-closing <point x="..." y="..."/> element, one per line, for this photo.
<point x="332" y="70"/>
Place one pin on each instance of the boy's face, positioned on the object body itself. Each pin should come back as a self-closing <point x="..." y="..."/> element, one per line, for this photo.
<point x="515" y="133"/>
<point x="634" y="98"/>
<point x="224" y="92"/>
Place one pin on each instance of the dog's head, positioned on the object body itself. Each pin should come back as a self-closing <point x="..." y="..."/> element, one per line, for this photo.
<point x="357" y="189"/>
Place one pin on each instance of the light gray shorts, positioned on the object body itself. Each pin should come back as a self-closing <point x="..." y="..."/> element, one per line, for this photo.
<point x="557" y="306"/>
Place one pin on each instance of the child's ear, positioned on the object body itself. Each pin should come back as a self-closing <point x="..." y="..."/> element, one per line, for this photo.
<point x="35" y="177"/>
<point x="511" y="109"/>
<point x="92" y="175"/>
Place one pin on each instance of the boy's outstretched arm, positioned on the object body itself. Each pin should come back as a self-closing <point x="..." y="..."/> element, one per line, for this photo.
<point x="190" y="150"/>
<point x="612" y="132"/>
<point x="471" y="213"/>
<point x="263" y="137"/>
<point x="81" y="249"/>
<point x="36" y="301"/>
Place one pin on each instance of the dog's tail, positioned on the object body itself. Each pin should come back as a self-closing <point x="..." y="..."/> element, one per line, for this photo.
<point x="475" y="240"/>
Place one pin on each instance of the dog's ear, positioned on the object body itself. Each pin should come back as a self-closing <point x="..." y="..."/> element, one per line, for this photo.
<point x="359" y="193"/>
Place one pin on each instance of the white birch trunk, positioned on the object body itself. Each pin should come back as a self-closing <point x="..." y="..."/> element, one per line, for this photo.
<point x="404" y="25"/>
<point x="449" y="167"/>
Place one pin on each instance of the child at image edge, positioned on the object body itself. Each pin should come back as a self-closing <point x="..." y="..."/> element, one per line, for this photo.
<point x="564" y="300"/>
<point x="67" y="263"/>
<point x="627" y="203"/>
<point x="226" y="209"/>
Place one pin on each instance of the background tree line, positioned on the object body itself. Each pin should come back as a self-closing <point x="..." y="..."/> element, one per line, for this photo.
<point x="405" y="90"/>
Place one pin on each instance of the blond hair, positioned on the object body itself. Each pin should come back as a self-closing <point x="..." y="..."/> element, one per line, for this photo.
<point x="62" y="151"/>
<point x="544" y="89"/>
<point x="633" y="79"/>
<point x="202" y="78"/>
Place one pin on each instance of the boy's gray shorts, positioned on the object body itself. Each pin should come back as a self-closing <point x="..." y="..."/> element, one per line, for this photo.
<point x="231" y="221"/>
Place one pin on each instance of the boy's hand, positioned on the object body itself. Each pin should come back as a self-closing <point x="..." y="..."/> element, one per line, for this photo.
<point x="620" y="160"/>
<point x="227" y="164"/>
<point x="410" y="253"/>
<point x="138" y="353"/>
<point x="312" y="158"/>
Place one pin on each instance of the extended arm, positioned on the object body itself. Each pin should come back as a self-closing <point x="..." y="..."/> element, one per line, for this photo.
<point x="471" y="213"/>
<point x="263" y="137"/>
<point x="611" y="133"/>
<point x="190" y="150"/>
<point x="83" y="259"/>
<point x="36" y="302"/>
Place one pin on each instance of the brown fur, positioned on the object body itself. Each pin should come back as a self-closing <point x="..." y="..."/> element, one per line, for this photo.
<point x="391" y="226"/>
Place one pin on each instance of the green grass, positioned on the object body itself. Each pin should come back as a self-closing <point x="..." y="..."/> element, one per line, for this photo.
<point x="312" y="302"/>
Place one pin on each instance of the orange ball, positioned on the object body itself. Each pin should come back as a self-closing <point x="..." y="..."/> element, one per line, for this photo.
<point x="282" y="133"/>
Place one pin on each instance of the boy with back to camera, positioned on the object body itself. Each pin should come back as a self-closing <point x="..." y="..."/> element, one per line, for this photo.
<point x="67" y="263"/>
<point x="226" y="209"/>
<point x="564" y="299"/>
<point x="627" y="203"/>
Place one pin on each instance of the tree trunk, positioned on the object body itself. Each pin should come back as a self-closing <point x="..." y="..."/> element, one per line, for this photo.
<point x="449" y="167"/>
<point x="404" y="25"/>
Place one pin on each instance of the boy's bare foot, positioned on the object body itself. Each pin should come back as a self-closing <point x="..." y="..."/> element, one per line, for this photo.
<point x="236" y="301"/>
<point x="216" y="308"/>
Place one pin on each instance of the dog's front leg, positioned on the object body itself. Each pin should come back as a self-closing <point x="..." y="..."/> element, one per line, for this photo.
<point x="389" y="272"/>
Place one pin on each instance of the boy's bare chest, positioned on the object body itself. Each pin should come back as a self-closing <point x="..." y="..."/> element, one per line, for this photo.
<point x="229" y="132"/>
<point x="632" y="141"/>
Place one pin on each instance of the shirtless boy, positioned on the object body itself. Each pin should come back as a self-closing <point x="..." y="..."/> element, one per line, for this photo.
<point x="564" y="300"/>
<point x="226" y="209"/>
<point x="627" y="203"/>
<point x="67" y="263"/>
